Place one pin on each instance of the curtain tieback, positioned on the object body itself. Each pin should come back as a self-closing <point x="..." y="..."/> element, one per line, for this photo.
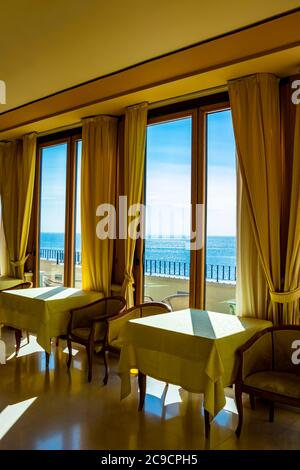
<point x="285" y="297"/>
<point x="19" y="262"/>
<point x="128" y="280"/>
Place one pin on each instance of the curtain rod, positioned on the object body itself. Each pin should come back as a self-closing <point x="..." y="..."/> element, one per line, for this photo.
<point x="59" y="129"/>
<point x="152" y="105"/>
<point x="189" y="96"/>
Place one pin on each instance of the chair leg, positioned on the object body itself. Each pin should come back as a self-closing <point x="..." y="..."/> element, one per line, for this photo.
<point x="252" y="401"/>
<point x="106" y="368"/>
<point x="18" y="336"/>
<point x="271" y="412"/>
<point x="47" y="359"/>
<point x="207" y="423"/>
<point x="69" y="344"/>
<point x="142" y="388"/>
<point x="89" y="351"/>
<point x="57" y="341"/>
<point x="28" y="338"/>
<point x="239" y="404"/>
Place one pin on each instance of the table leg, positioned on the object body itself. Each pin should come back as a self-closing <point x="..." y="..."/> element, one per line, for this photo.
<point x="18" y="336"/>
<point x="47" y="359"/>
<point x="2" y="352"/>
<point x="142" y="389"/>
<point x="207" y="423"/>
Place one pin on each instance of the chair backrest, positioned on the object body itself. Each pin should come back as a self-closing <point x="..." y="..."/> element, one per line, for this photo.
<point x="108" y="306"/>
<point x="275" y="348"/>
<point x="177" y="301"/>
<point x="257" y="356"/>
<point x="286" y="349"/>
<point x="22" y="285"/>
<point x="148" y="308"/>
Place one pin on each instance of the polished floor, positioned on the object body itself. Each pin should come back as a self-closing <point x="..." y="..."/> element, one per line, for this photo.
<point x="57" y="410"/>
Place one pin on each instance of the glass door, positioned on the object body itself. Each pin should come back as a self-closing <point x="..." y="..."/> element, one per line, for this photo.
<point x="53" y="179"/>
<point x="168" y="212"/>
<point x="220" y="250"/>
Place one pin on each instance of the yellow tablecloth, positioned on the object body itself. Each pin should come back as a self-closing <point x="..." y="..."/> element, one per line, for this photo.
<point x="194" y="349"/>
<point x="43" y="310"/>
<point x="7" y="282"/>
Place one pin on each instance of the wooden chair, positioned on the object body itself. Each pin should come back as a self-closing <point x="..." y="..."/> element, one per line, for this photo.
<point x="266" y="369"/>
<point x="138" y="311"/>
<point x="18" y="333"/>
<point x="177" y="301"/>
<point x="88" y="326"/>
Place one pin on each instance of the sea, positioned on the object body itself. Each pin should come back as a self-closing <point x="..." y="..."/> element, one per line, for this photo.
<point x="170" y="256"/>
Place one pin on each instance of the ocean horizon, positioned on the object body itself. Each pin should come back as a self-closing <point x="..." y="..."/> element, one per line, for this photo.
<point x="220" y="250"/>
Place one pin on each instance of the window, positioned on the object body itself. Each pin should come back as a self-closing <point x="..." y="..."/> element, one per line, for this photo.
<point x="168" y="211"/>
<point x="220" y="213"/>
<point x="53" y="214"/>
<point x="191" y="159"/>
<point x="59" y="260"/>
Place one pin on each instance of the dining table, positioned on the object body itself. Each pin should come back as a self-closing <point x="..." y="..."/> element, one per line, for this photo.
<point x="8" y="282"/>
<point x="44" y="311"/>
<point x="194" y="349"/>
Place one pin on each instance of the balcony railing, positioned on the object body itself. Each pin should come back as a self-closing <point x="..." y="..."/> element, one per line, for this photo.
<point x="58" y="256"/>
<point x="180" y="269"/>
<point x="176" y="269"/>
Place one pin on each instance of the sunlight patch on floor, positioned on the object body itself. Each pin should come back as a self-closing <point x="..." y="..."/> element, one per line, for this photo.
<point x="74" y="351"/>
<point x="12" y="413"/>
<point x="230" y="405"/>
<point x="173" y="395"/>
<point x="155" y="387"/>
<point x="30" y="348"/>
<point x="27" y="348"/>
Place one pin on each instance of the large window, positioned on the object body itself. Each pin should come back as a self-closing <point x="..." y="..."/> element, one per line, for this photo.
<point x="221" y="213"/>
<point x="191" y="174"/>
<point x="59" y="261"/>
<point x="168" y="211"/>
<point x="53" y="214"/>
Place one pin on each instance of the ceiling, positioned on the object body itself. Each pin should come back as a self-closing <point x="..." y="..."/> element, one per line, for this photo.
<point x="48" y="46"/>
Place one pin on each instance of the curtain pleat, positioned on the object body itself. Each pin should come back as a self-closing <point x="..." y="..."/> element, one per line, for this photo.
<point x="134" y="160"/>
<point x="98" y="180"/>
<point x="17" y="162"/>
<point x="251" y="285"/>
<point x="291" y="310"/>
<point x="255" y="109"/>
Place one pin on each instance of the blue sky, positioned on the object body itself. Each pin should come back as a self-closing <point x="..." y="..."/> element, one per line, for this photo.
<point x="168" y="176"/>
<point x="168" y="187"/>
<point x="53" y="188"/>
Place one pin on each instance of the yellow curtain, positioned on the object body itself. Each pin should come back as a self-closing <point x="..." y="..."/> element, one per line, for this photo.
<point x="134" y="159"/>
<point x="4" y="265"/>
<point x="17" y="170"/>
<point x="251" y="285"/>
<point x="255" y="109"/>
<point x="291" y="294"/>
<point x="98" y="180"/>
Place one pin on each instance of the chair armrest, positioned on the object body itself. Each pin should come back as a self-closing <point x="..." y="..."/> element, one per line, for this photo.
<point x="101" y="318"/>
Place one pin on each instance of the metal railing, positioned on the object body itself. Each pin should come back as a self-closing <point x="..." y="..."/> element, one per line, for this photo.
<point x="58" y="256"/>
<point x="180" y="269"/>
<point x="176" y="269"/>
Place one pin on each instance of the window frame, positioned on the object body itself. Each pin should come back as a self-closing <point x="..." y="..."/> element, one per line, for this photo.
<point x="197" y="109"/>
<point x="70" y="138"/>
